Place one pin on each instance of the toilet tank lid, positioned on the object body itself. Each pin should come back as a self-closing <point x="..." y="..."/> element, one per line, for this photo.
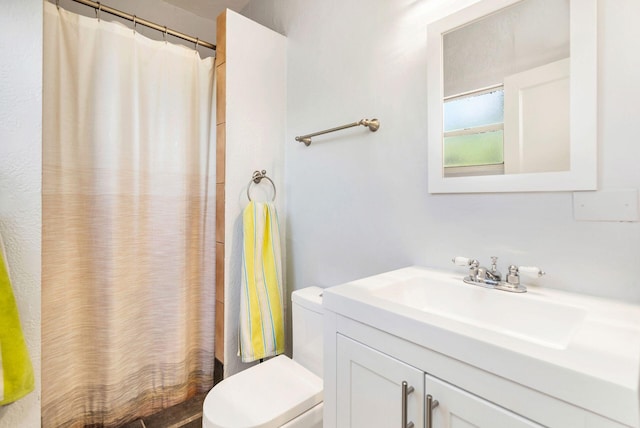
<point x="264" y="396"/>
<point x="309" y="297"/>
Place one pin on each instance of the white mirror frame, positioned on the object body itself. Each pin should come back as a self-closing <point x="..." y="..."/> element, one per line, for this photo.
<point x="583" y="174"/>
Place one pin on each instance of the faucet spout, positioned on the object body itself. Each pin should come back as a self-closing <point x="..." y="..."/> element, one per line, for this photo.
<point x="483" y="275"/>
<point x="487" y="276"/>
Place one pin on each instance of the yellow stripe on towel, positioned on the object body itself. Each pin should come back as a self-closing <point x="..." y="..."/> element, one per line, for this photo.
<point x="1" y="377"/>
<point x="261" y="299"/>
<point x="15" y="365"/>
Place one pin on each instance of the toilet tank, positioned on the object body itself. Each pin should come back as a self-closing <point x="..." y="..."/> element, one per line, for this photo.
<point x="307" y="328"/>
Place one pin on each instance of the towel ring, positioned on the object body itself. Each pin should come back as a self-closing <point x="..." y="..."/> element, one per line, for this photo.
<point x="256" y="178"/>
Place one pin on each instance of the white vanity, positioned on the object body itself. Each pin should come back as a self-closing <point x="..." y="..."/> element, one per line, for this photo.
<point x="487" y="357"/>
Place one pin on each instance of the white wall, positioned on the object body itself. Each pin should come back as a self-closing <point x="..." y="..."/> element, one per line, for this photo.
<point x="357" y="202"/>
<point x="255" y="133"/>
<point x="20" y="176"/>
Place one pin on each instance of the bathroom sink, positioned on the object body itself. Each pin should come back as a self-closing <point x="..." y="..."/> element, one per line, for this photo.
<point x="573" y="347"/>
<point x="525" y="317"/>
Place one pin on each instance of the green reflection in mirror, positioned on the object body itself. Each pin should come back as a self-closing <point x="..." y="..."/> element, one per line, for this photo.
<point x="483" y="148"/>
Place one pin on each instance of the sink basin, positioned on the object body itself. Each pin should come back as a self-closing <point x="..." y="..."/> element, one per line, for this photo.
<point x="521" y="316"/>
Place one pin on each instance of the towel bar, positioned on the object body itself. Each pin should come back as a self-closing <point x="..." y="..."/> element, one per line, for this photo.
<point x="372" y="124"/>
<point x="257" y="178"/>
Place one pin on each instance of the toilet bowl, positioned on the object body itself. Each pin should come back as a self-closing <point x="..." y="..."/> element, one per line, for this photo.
<point x="280" y="392"/>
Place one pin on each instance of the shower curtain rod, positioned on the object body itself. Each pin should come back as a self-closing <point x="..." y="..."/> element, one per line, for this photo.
<point x="102" y="8"/>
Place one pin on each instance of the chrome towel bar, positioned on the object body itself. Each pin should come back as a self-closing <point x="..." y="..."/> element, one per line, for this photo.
<point x="372" y="124"/>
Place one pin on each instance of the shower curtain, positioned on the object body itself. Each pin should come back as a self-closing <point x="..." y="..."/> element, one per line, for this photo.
<point x="128" y="228"/>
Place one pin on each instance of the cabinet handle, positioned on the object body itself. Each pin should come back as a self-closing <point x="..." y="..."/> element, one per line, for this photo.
<point x="406" y="390"/>
<point x="428" y="414"/>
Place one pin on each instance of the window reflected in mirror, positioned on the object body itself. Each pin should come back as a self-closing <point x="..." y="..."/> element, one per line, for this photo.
<point x="473" y="133"/>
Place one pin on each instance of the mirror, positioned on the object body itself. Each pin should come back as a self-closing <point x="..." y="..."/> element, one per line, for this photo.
<point x="512" y="97"/>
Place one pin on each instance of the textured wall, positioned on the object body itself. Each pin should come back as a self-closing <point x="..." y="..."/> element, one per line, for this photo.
<point x="20" y="172"/>
<point x="357" y="202"/>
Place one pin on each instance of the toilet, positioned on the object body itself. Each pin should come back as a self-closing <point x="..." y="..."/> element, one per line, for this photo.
<point x="280" y="392"/>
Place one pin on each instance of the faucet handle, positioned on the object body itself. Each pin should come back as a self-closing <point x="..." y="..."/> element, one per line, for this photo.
<point x="531" y="271"/>
<point x="473" y="265"/>
<point x="513" y="277"/>
<point x="462" y="261"/>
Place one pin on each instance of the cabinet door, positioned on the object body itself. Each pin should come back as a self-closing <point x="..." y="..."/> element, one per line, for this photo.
<point x="369" y="388"/>
<point x="459" y="409"/>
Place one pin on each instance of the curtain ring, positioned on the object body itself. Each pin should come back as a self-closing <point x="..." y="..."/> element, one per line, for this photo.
<point x="196" y="44"/>
<point x="98" y="10"/>
<point x="165" y="34"/>
<point x="134" y="24"/>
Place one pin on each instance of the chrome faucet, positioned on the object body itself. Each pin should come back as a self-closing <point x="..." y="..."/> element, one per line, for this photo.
<point x="480" y="274"/>
<point x="492" y="278"/>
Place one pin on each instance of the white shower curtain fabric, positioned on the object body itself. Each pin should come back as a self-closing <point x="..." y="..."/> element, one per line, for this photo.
<point x="128" y="223"/>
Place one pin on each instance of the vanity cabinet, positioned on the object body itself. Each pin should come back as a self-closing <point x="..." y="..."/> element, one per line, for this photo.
<point x="366" y="366"/>
<point x="491" y="359"/>
<point x="370" y="388"/>
<point x="457" y="408"/>
<point x="370" y="394"/>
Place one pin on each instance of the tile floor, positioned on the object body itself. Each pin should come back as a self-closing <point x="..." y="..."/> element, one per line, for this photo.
<point x="183" y="415"/>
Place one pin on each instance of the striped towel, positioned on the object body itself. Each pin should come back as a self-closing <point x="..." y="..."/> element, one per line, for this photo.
<point x="16" y="372"/>
<point x="261" y="301"/>
<point x="1" y="377"/>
